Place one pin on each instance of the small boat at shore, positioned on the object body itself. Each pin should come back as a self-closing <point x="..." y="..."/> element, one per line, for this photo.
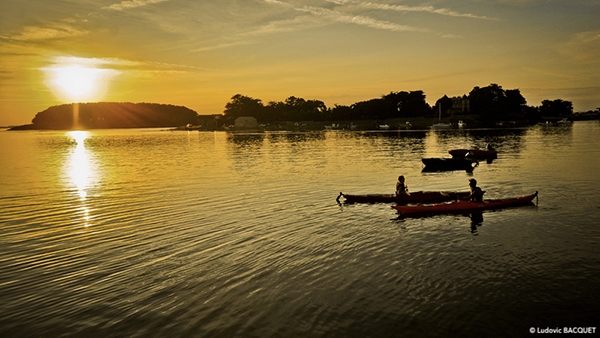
<point x="440" y="124"/>
<point x="564" y="122"/>
<point x="414" y="197"/>
<point x="433" y="164"/>
<point x="460" y="206"/>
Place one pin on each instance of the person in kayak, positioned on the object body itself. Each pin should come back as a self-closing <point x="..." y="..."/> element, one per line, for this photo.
<point x="476" y="192"/>
<point x="401" y="187"/>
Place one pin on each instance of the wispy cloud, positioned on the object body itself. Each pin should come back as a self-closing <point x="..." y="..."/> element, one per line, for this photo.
<point x="428" y="9"/>
<point x="219" y="46"/>
<point x="250" y="37"/>
<point x="359" y="20"/>
<point x="56" y="30"/>
<point x="277" y="2"/>
<point x="116" y="66"/>
<point x="131" y="4"/>
<point x="403" y="8"/>
<point x="177" y="67"/>
<point x="452" y="36"/>
<point x="283" y="26"/>
<point x="92" y="62"/>
<point x="583" y="47"/>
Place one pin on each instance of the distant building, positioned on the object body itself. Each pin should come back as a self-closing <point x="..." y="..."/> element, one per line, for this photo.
<point x="209" y="122"/>
<point x="246" y="122"/>
<point x="460" y="105"/>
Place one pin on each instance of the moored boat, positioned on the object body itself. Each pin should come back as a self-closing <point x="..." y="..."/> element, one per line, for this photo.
<point x="448" y="164"/>
<point x="440" y="124"/>
<point x="414" y="197"/>
<point x="460" y="206"/>
<point x="474" y="153"/>
<point x="564" y="122"/>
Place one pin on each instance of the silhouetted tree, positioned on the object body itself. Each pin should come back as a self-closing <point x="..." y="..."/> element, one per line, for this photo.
<point x="556" y="108"/>
<point x="378" y="109"/>
<point x="515" y="102"/>
<point x="407" y="104"/>
<point x="241" y="105"/>
<point x="489" y="102"/>
<point x="531" y="114"/>
<point x="343" y="113"/>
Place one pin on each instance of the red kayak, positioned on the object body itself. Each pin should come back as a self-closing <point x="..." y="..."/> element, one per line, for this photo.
<point x="463" y="206"/>
<point x="414" y="197"/>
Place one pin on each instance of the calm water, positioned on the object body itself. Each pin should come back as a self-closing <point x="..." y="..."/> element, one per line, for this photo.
<point x="150" y="233"/>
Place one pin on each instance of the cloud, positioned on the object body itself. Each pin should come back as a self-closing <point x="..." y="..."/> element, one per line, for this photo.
<point x="583" y="47"/>
<point x="131" y="4"/>
<point x="452" y="36"/>
<point x="50" y="31"/>
<point x="252" y="36"/>
<point x="283" y="26"/>
<point x="277" y="2"/>
<point x="92" y="62"/>
<point x="428" y="9"/>
<point x="359" y="20"/>
<point x="403" y="8"/>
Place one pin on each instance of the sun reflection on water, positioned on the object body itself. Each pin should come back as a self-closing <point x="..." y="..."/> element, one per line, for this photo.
<point x="81" y="170"/>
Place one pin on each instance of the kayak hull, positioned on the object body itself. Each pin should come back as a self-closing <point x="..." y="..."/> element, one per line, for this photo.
<point x="448" y="164"/>
<point x="463" y="206"/>
<point x="414" y="197"/>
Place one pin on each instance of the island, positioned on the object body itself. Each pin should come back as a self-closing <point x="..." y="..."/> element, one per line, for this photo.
<point x="105" y="115"/>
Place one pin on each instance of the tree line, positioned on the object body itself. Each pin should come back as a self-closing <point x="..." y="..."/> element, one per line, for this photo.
<point x="492" y="103"/>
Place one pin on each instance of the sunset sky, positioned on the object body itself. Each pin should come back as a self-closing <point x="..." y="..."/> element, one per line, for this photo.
<point x="199" y="53"/>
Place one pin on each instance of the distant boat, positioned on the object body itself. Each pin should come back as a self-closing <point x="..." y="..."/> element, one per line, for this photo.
<point x="441" y="125"/>
<point x="564" y="122"/>
<point x="384" y="126"/>
<point x="406" y="125"/>
<point x="461" y="124"/>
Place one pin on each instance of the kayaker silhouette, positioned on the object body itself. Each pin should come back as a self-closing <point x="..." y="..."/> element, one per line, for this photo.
<point x="401" y="187"/>
<point x="476" y="192"/>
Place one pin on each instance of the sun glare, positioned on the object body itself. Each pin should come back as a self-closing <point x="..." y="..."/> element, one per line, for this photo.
<point x="78" y="79"/>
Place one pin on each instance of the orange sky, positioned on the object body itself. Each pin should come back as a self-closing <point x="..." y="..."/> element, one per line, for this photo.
<point x="200" y="53"/>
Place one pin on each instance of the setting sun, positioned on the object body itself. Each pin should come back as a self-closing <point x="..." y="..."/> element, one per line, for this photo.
<point x="76" y="80"/>
<point x="81" y="81"/>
